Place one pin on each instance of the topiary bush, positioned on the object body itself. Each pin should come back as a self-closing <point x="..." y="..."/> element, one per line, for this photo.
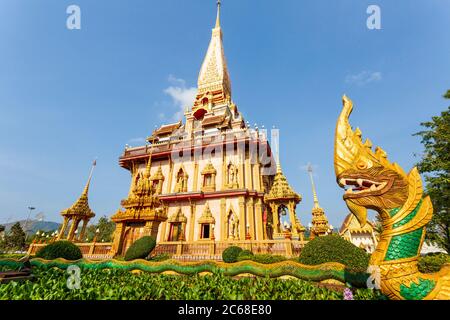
<point x="140" y="249"/>
<point x="231" y="254"/>
<point x="245" y="255"/>
<point x="268" y="258"/>
<point x="60" y="249"/>
<point x="334" y="248"/>
<point x="433" y="262"/>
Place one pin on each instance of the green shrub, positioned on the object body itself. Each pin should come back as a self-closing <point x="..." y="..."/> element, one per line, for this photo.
<point x="160" y="257"/>
<point x="433" y="262"/>
<point x="60" y="249"/>
<point x="333" y="248"/>
<point x="231" y="254"/>
<point x="141" y="248"/>
<point x="268" y="258"/>
<point x="245" y="255"/>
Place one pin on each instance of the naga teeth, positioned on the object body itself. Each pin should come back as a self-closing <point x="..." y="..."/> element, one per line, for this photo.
<point x="342" y="182"/>
<point x="359" y="182"/>
<point x="373" y="188"/>
<point x="349" y="190"/>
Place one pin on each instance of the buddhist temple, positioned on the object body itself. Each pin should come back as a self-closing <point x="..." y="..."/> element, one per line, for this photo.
<point x="209" y="177"/>
<point x="363" y="237"/>
<point x="319" y="222"/>
<point x="77" y="213"/>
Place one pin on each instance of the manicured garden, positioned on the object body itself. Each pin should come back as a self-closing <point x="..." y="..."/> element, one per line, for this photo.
<point x="107" y="284"/>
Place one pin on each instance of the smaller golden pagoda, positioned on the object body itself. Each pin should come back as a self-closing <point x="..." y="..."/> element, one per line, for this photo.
<point x="282" y="199"/>
<point x="319" y="222"/>
<point x="142" y="208"/>
<point x="79" y="211"/>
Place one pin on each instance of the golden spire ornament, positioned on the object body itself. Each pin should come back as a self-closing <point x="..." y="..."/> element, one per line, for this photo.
<point x="319" y="220"/>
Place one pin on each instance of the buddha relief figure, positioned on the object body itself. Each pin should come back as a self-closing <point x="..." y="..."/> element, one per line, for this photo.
<point x="233" y="227"/>
<point x="232" y="176"/>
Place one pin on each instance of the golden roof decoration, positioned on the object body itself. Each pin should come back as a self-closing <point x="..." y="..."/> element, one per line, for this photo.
<point x="207" y="216"/>
<point x="281" y="190"/>
<point x="81" y="206"/>
<point x="158" y="175"/>
<point x="209" y="169"/>
<point x="177" y="216"/>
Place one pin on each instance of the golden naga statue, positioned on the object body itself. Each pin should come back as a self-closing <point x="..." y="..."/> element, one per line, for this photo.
<point x="373" y="182"/>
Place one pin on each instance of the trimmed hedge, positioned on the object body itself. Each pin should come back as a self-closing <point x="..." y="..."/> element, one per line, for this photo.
<point x="60" y="249"/>
<point x="334" y="248"/>
<point x="245" y="255"/>
<point x="140" y="249"/>
<point x="433" y="262"/>
<point x="231" y="254"/>
<point x="268" y="258"/>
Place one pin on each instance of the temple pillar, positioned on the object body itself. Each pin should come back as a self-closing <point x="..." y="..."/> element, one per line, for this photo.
<point x="192" y="222"/>
<point x="169" y="181"/>
<point x="224" y="172"/>
<point x="223" y="219"/>
<point x="248" y="172"/>
<point x="118" y="234"/>
<point x="256" y="176"/>
<point x="163" y="231"/>
<point x="241" y="182"/>
<point x="195" y="186"/>
<point x="259" y="220"/>
<point x="73" y="228"/>
<point x="251" y="218"/>
<point x="83" y="230"/>
<point x="242" y="221"/>
<point x="291" y="208"/>
<point x="63" y="228"/>
<point x="276" y="218"/>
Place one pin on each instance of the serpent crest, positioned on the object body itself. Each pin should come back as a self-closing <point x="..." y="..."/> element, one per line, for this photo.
<point x="372" y="182"/>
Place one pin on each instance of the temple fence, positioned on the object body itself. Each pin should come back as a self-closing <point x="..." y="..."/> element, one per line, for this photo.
<point x="192" y="251"/>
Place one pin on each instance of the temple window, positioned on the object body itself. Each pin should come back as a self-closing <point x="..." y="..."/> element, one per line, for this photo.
<point x="209" y="178"/>
<point x="157" y="181"/>
<point x="181" y="182"/>
<point x="206" y="231"/>
<point x="206" y="222"/>
<point x="177" y="226"/>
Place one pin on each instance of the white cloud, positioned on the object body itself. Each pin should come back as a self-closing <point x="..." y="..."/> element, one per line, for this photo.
<point x="363" y="78"/>
<point x="181" y="95"/>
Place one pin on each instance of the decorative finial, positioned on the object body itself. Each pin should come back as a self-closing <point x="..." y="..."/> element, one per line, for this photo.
<point x="218" y="14"/>
<point x="86" y="188"/>
<point x="316" y="200"/>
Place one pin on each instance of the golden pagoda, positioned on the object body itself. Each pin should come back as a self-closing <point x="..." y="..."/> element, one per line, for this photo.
<point x="205" y="178"/>
<point x="79" y="211"/>
<point x="143" y="211"/>
<point x="319" y="222"/>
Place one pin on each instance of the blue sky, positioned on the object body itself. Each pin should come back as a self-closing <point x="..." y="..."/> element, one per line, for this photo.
<point x="68" y="96"/>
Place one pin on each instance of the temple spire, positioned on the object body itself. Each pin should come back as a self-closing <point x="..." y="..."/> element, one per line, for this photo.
<point x="214" y="78"/>
<point x="316" y="199"/>
<point x="218" y="14"/>
<point x="86" y="188"/>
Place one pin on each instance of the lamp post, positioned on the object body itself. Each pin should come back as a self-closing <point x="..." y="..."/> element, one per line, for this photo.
<point x="31" y="208"/>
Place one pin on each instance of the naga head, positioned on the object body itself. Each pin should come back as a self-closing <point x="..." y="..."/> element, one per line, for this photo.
<point x="371" y="181"/>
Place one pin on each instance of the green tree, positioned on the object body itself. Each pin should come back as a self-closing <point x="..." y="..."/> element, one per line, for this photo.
<point x="105" y="227"/>
<point x="435" y="164"/>
<point x="15" y="239"/>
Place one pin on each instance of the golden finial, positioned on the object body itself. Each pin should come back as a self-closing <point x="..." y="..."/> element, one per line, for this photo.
<point x="218" y="14"/>
<point x="149" y="165"/>
<point x="316" y="199"/>
<point x="86" y="188"/>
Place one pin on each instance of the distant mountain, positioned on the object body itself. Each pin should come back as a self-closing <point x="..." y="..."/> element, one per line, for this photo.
<point x="34" y="226"/>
